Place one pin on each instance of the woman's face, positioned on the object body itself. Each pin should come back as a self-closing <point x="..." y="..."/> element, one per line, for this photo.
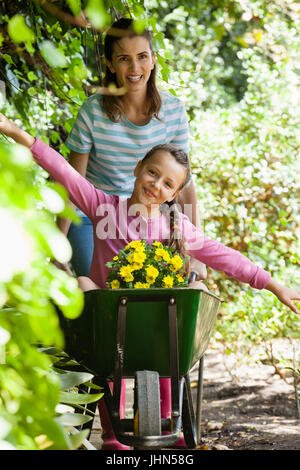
<point x="132" y="62"/>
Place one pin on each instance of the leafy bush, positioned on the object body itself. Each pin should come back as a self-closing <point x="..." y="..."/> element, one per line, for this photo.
<point x="30" y="286"/>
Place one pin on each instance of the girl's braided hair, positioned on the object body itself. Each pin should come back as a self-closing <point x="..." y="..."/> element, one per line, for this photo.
<point x="171" y="209"/>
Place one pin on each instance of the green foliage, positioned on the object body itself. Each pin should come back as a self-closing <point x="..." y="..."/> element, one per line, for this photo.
<point x="30" y="286"/>
<point x="235" y="65"/>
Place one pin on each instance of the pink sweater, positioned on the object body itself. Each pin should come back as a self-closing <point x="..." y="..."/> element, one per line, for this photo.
<point x="115" y="226"/>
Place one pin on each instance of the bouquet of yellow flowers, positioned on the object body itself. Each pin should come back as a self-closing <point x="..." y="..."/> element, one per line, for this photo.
<point x="141" y="266"/>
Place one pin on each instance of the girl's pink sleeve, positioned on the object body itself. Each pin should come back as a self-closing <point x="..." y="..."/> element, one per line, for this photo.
<point x="222" y="258"/>
<point x="82" y="193"/>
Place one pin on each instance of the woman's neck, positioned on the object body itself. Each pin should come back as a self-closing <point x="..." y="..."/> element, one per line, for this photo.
<point x="135" y="107"/>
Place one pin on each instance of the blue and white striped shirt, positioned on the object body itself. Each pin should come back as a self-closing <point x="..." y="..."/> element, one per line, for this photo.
<point x="116" y="147"/>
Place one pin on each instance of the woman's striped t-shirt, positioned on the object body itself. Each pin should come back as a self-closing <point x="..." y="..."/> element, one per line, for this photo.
<point x="115" y="148"/>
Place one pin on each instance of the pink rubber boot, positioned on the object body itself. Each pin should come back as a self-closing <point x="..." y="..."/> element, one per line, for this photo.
<point x="166" y="406"/>
<point x="110" y="441"/>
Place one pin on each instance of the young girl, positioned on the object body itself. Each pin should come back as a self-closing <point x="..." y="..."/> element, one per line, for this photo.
<point x="159" y="177"/>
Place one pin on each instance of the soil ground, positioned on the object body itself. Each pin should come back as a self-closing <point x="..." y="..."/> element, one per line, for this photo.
<point x="244" y="408"/>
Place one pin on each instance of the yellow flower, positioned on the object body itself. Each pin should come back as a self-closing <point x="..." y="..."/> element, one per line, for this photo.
<point x="158" y="244"/>
<point x="141" y="285"/>
<point x="115" y="258"/>
<point x="136" y="260"/>
<point x="168" y="281"/>
<point x="179" y="278"/>
<point x="137" y="245"/>
<point x="151" y="274"/>
<point x="161" y="254"/>
<point x="115" y="284"/>
<point x="176" y="263"/>
<point x="125" y="272"/>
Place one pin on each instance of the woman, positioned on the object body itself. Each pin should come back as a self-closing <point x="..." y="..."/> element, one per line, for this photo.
<point x="112" y="133"/>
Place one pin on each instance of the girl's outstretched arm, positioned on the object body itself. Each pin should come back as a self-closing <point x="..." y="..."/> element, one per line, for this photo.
<point x="82" y="193"/>
<point x="234" y="264"/>
<point x="284" y="294"/>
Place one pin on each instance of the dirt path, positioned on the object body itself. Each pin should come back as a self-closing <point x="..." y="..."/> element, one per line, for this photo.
<point x="250" y="410"/>
<point x="256" y="411"/>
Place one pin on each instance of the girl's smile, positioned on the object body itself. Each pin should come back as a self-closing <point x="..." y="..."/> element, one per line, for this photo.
<point x="149" y="193"/>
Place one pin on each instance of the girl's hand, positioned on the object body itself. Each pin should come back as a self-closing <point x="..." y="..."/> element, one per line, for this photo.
<point x="284" y="294"/>
<point x="10" y="129"/>
<point x="6" y="126"/>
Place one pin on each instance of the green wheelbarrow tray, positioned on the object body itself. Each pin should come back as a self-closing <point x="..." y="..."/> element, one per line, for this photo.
<point x="92" y="338"/>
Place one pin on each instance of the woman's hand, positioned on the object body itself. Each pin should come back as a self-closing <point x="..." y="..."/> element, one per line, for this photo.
<point x="199" y="268"/>
<point x="10" y="129"/>
<point x="63" y="266"/>
<point x="284" y="294"/>
<point x="198" y="285"/>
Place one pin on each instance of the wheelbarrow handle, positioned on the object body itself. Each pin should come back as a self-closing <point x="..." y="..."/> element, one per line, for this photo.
<point x="193" y="277"/>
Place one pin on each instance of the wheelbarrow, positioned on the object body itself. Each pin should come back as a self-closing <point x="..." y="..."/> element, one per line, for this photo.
<point x="146" y="334"/>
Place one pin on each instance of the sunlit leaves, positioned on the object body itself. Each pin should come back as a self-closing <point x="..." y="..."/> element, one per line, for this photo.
<point x="30" y="285"/>
<point x="16" y="247"/>
<point x="75" y="6"/>
<point x="19" y="31"/>
<point x="52" y="55"/>
<point x="97" y="13"/>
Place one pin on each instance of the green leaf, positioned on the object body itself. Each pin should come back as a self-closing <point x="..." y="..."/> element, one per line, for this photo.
<point x="78" y="437"/>
<point x="16" y="155"/>
<point x="79" y="398"/>
<point x="75" y="6"/>
<point x="31" y="91"/>
<point x="96" y="13"/>
<point x="19" y="31"/>
<point x="53" y="56"/>
<point x="32" y="76"/>
<point x="139" y="26"/>
<point x="93" y="386"/>
<point x="73" y="419"/>
<point x="8" y="59"/>
<point x="72" y="379"/>
<point x="56" y="433"/>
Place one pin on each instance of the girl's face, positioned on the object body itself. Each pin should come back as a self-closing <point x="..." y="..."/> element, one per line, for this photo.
<point x="132" y="62"/>
<point x="158" y="179"/>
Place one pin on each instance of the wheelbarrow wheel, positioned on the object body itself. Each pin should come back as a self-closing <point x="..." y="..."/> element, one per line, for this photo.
<point x="147" y="420"/>
<point x="188" y="416"/>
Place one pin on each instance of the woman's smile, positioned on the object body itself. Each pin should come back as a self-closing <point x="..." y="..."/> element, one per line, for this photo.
<point x="134" y="78"/>
<point x="132" y="61"/>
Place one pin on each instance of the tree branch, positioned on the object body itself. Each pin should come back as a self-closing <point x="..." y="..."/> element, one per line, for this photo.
<point x="79" y="20"/>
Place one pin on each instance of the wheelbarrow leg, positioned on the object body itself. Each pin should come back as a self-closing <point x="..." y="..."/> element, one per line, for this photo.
<point x="199" y="398"/>
<point x="188" y="415"/>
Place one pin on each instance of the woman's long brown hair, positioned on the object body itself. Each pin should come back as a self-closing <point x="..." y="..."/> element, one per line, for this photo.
<point x="113" y="105"/>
